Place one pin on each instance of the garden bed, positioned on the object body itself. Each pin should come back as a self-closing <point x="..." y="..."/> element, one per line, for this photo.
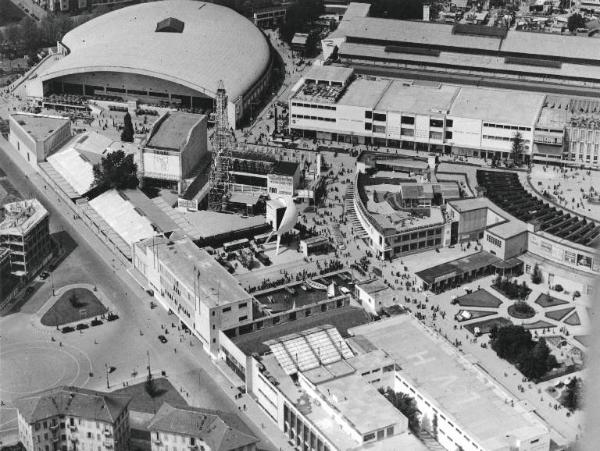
<point x="546" y="300"/>
<point x="74" y="305"/>
<point x="479" y="298"/>
<point x="521" y="310"/>
<point x="558" y="315"/>
<point x="512" y="290"/>
<point x="583" y="339"/>
<point x="486" y="326"/>
<point x="573" y="319"/>
<point x="476" y="314"/>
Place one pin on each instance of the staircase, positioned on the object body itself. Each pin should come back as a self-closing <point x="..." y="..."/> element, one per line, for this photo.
<point x="350" y="213"/>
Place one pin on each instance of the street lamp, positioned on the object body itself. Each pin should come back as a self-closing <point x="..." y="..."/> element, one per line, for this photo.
<point x="107" y="382"/>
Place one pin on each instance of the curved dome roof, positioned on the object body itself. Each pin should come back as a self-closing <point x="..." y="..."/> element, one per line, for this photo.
<point x="191" y="43"/>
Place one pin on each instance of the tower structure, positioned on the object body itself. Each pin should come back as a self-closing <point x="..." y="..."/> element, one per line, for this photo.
<point x="220" y="177"/>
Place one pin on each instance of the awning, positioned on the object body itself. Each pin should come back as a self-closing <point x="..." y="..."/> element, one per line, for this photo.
<point x="547" y="149"/>
<point x="511" y="263"/>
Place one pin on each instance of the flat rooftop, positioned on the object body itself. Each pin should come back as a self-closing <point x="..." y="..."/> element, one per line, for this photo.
<point x="465" y="395"/>
<point x="171" y="133"/>
<point x="332" y="74"/>
<point x="20" y="217"/>
<point x="403" y="97"/>
<point x="498" y="105"/>
<point x="318" y="92"/>
<point x="40" y="127"/>
<point x="461" y="265"/>
<point x="360" y="403"/>
<point x="364" y="93"/>
<point x="215" y="286"/>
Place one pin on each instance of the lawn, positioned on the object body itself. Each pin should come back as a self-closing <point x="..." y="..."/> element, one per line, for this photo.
<point x="74" y="305"/>
<point x="521" y="310"/>
<point x="573" y="320"/>
<point x="476" y="314"/>
<point x="559" y="314"/>
<point x="142" y="401"/>
<point x="546" y="300"/>
<point x="479" y="298"/>
<point x="583" y="339"/>
<point x="486" y="326"/>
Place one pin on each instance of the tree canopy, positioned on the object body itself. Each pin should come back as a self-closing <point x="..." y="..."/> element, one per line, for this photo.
<point x="406" y="405"/>
<point x="572" y="395"/>
<point x="575" y="21"/>
<point x="298" y="18"/>
<point x="515" y="344"/>
<point x="517" y="147"/>
<point x="116" y="170"/>
<point x="127" y="133"/>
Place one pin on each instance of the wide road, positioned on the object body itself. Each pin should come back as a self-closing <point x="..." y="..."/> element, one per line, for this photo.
<point x="473" y="80"/>
<point x="122" y="343"/>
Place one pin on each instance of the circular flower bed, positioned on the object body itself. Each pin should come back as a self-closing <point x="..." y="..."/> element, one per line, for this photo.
<point x="521" y="310"/>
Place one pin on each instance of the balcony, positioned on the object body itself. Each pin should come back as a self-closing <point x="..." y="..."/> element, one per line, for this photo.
<point x="72" y="427"/>
<point x="108" y="444"/>
<point x="107" y="433"/>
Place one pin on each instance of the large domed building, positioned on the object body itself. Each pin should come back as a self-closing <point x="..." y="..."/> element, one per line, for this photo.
<point x="173" y="51"/>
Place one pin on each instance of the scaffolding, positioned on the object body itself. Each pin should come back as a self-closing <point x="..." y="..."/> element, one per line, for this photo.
<point x="220" y="178"/>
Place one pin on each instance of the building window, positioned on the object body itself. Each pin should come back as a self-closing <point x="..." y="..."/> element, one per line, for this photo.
<point x="390" y="431"/>
<point x="369" y="437"/>
<point x="368" y="114"/>
<point x="226" y="309"/>
<point x="495" y="241"/>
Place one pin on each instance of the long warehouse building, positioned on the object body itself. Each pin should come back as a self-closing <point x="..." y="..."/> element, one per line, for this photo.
<point x="484" y="51"/>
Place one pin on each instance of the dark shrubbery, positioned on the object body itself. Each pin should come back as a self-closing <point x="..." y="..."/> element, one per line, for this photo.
<point x="515" y="344"/>
<point x="511" y="288"/>
<point x="536" y="275"/>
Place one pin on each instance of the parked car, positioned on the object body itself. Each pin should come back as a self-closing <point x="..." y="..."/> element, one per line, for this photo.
<point x="81" y="326"/>
<point x="162" y="338"/>
<point x="44" y="275"/>
<point x="67" y="329"/>
<point x="96" y="322"/>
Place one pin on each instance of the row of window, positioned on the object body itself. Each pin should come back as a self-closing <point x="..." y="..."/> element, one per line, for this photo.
<point x="318" y="106"/>
<point x="507" y="127"/>
<point x="240" y="306"/>
<point x="313" y="118"/>
<point x="495" y="241"/>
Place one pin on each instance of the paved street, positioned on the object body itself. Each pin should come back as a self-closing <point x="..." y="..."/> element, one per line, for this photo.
<point x="117" y="343"/>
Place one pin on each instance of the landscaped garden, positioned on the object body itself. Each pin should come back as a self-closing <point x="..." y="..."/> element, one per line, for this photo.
<point x="558" y="315"/>
<point x="573" y="319"/>
<point x="521" y="310"/>
<point x="545" y="300"/>
<point x="74" y="304"/>
<point x="540" y="324"/>
<point x="479" y="298"/>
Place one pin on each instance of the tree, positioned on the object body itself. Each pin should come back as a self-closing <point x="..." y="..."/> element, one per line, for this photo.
<point x="406" y="405"/>
<point x="298" y="18"/>
<point x="517" y="148"/>
<point x="571" y="397"/>
<point x="515" y="344"/>
<point x="536" y="275"/>
<point x="575" y="21"/>
<point x="127" y="133"/>
<point x="116" y="170"/>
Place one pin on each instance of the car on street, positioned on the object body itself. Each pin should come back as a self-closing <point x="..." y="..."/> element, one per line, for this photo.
<point x="44" y="275"/>
<point x="162" y="338"/>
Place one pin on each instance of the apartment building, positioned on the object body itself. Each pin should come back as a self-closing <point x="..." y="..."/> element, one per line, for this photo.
<point x="71" y="418"/>
<point x="190" y="428"/>
<point x="24" y="231"/>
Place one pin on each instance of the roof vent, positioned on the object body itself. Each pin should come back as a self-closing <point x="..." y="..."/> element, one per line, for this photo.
<point x="170" y="25"/>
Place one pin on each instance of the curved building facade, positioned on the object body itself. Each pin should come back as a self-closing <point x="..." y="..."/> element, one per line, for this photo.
<point x="170" y="52"/>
